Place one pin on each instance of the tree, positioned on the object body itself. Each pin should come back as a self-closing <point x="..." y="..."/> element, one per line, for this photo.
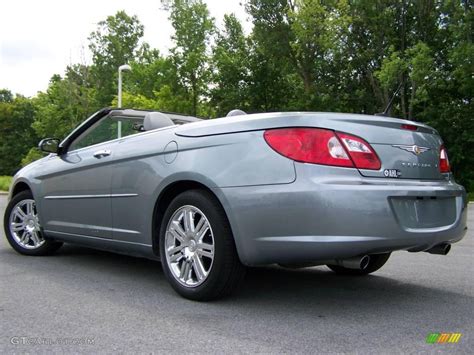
<point x="271" y="87"/>
<point x="155" y="78"/>
<point x="193" y="27"/>
<point x="65" y="104"/>
<point x="149" y="73"/>
<point x="231" y="68"/>
<point x="307" y="39"/>
<point x="16" y="117"/>
<point x="115" y="42"/>
<point x="6" y="96"/>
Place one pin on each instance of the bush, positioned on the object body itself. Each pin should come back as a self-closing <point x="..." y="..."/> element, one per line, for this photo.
<point x="5" y="182"/>
<point x="33" y="154"/>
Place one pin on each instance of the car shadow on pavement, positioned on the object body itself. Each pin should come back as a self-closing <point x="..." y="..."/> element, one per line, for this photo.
<point x="314" y="292"/>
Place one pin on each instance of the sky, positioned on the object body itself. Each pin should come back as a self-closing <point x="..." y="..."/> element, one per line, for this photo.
<point x="39" y="38"/>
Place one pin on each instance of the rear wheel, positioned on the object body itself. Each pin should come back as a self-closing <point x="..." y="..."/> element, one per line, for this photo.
<point x="23" y="229"/>
<point x="376" y="262"/>
<point x="197" y="248"/>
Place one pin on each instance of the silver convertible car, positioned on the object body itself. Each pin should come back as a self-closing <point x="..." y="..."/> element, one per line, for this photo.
<point x="210" y="197"/>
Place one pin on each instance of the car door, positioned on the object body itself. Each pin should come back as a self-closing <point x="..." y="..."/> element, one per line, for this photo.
<point x="76" y="185"/>
<point x="136" y="174"/>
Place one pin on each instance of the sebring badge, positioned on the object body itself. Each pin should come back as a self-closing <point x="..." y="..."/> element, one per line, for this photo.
<point x="417" y="150"/>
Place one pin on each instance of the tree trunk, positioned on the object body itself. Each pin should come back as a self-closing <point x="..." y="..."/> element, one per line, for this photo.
<point x="402" y="97"/>
<point x="194" y="94"/>
<point x="380" y="96"/>
<point x="308" y="83"/>
<point x="412" y="99"/>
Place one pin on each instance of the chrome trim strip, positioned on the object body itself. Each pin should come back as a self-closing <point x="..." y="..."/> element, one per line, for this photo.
<point x="90" y="227"/>
<point x="97" y="238"/>
<point x="65" y="197"/>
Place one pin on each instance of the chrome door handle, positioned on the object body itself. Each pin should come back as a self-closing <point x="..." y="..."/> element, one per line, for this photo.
<point x="102" y="153"/>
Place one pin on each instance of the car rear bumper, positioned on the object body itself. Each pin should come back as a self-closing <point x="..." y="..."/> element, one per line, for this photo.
<point x="335" y="213"/>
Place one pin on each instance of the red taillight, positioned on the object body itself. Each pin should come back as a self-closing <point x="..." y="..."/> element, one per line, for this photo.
<point x="322" y="146"/>
<point x="362" y="154"/>
<point x="444" y="166"/>
<point x="308" y="145"/>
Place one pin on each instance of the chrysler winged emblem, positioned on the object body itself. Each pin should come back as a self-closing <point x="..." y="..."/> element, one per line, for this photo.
<point x="415" y="149"/>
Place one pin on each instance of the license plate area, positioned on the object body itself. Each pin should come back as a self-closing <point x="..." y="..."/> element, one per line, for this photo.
<point x="424" y="212"/>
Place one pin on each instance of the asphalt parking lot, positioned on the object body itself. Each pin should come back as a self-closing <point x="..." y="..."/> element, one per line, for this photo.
<point x="86" y="301"/>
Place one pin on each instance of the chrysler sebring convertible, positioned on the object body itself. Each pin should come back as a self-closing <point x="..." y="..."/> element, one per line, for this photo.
<point x="209" y="197"/>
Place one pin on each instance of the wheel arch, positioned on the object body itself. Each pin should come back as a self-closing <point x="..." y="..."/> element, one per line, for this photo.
<point x="167" y="194"/>
<point x="20" y="186"/>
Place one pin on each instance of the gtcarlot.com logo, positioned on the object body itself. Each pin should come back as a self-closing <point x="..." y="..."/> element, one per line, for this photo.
<point x="443" y="338"/>
<point x="24" y="340"/>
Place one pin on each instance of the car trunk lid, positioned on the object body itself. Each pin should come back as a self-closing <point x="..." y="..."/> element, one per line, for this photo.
<point x="406" y="149"/>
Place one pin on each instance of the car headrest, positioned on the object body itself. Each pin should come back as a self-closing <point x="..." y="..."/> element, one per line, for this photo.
<point x="155" y="120"/>
<point x="236" y="112"/>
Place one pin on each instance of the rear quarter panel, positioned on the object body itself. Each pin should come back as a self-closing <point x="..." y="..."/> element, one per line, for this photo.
<point x="145" y="165"/>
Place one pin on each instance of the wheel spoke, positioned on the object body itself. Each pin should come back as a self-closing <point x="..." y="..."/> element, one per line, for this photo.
<point x="202" y="231"/>
<point x="25" y="237"/>
<point x="35" y="238"/>
<point x="188" y="220"/>
<point x="29" y="209"/>
<point x="16" y="227"/>
<point x="175" y="254"/>
<point x="190" y="270"/>
<point x="176" y="257"/>
<point x="185" y="271"/>
<point x="19" y="213"/>
<point x="199" y="225"/>
<point x="177" y="232"/>
<point x="205" y="249"/>
<point x="198" y="267"/>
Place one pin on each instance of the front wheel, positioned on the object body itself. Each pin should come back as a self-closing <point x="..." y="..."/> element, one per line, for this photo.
<point x="376" y="261"/>
<point x="197" y="248"/>
<point x="23" y="229"/>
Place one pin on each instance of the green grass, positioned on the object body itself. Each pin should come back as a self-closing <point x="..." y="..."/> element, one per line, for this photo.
<point x="5" y="182"/>
<point x="470" y="196"/>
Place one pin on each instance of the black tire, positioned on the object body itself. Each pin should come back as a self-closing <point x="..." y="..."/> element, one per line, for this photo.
<point x="48" y="247"/>
<point x="226" y="273"/>
<point x="376" y="262"/>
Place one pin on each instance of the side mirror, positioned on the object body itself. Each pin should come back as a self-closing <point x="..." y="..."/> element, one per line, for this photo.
<point x="49" y="145"/>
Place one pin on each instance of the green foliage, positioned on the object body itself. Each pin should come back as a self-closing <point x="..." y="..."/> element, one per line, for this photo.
<point x="115" y="42"/>
<point x="65" y="104"/>
<point x="31" y="156"/>
<point x="17" y="136"/>
<point x="231" y="75"/>
<point x="5" y="182"/>
<point x="136" y="101"/>
<point x="193" y="27"/>
<point x="5" y="96"/>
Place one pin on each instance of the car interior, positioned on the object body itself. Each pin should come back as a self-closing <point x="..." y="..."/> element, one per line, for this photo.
<point x="125" y="122"/>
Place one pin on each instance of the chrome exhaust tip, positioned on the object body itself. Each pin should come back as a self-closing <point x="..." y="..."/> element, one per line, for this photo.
<point x="364" y="262"/>
<point x="358" y="262"/>
<point x="440" y="249"/>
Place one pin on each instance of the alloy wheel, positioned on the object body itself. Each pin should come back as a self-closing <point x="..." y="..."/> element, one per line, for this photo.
<point x="189" y="244"/>
<point x="24" y="225"/>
